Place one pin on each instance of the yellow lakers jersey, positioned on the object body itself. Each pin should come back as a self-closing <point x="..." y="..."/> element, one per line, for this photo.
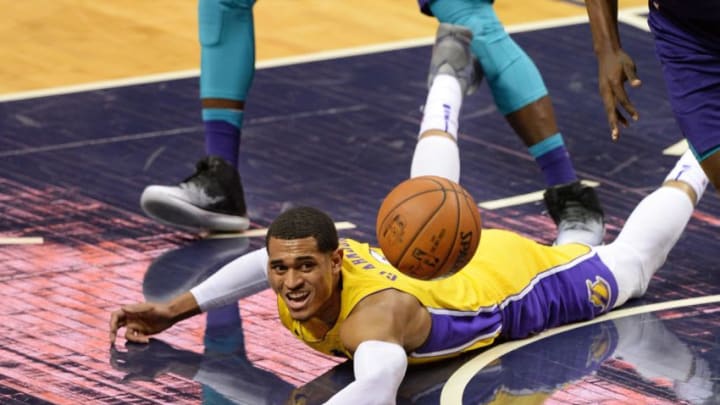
<point x="495" y="294"/>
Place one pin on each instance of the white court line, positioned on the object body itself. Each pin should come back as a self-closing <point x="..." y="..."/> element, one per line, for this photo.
<point x="633" y="19"/>
<point x="173" y="132"/>
<point x="454" y="388"/>
<point x="636" y="21"/>
<point x="270" y="63"/>
<point x="102" y="141"/>
<point x="633" y="10"/>
<point x="676" y="149"/>
<point x="262" y="231"/>
<point x="522" y="198"/>
<point x="29" y="240"/>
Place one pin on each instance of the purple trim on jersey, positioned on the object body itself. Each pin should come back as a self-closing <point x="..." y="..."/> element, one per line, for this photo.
<point x="691" y="66"/>
<point x="575" y="291"/>
<point x="451" y="333"/>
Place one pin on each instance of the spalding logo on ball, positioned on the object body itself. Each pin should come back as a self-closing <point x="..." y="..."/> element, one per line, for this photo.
<point x="428" y="227"/>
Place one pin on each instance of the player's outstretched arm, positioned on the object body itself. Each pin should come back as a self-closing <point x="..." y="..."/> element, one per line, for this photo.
<point x="615" y="67"/>
<point x="379" y="332"/>
<point x="237" y="279"/>
<point x="379" y="368"/>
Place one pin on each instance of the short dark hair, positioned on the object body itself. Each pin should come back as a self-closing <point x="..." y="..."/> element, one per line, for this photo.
<point x="302" y="222"/>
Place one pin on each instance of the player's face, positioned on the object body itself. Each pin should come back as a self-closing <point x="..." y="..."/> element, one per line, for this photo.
<point x="305" y="279"/>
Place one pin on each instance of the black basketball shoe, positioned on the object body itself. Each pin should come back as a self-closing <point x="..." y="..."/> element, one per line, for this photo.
<point x="211" y="199"/>
<point x="576" y="211"/>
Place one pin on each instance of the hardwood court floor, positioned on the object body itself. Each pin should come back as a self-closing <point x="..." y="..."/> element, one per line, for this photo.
<point x="65" y="42"/>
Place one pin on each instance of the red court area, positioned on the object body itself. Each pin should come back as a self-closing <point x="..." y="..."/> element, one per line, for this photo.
<point x="57" y="297"/>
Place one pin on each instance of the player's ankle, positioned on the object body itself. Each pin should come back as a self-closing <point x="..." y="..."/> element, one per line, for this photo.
<point x="688" y="175"/>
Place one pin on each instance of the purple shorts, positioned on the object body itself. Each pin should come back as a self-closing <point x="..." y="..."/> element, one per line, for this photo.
<point x="691" y="66"/>
<point x="425" y="6"/>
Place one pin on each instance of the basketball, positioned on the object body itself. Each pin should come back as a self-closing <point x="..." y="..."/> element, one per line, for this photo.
<point x="428" y="227"/>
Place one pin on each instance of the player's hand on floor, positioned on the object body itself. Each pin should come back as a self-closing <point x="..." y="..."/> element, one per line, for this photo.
<point x="614" y="69"/>
<point x="140" y="321"/>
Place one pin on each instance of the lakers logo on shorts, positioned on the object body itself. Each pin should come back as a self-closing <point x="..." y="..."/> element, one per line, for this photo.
<point x="599" y="293"/>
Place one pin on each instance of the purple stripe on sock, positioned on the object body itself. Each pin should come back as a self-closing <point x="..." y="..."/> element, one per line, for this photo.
<point x="222" y="139"/>
<point x="556" y="166"/>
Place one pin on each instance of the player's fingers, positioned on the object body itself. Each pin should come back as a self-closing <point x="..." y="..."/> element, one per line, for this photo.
<point x="621" y="118"/>
<point x="611" y="112"/>
<point x="117" y="320"/>
<point x="624" y="101"/>
<point x="614" y="129"/>
<point x="630" y="71"/>
<point x="134" y="335"/>
<point x="630" y="108"/>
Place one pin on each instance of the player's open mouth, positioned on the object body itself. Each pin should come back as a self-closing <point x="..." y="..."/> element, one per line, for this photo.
<point x="297" y="300"/>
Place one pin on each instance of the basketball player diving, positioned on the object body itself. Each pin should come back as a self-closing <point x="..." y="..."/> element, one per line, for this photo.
<point x="341" y="297"/>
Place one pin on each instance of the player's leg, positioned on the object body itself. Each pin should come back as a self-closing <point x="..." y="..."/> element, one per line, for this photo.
<point x="521" y="96"/>
<point x="711" y="165"/>
<point x="453" y="73"/>
<point x="691" y="66"/>
<point x="653" y="228"/>
<point x="212" y="198"/>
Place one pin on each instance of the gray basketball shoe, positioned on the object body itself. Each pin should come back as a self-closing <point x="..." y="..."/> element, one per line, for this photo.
<point x="451" y="55"/>
<point x="211" y="199"/>
<point x="576" y="211"/>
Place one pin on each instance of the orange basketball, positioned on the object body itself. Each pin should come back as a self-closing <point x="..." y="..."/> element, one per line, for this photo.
<point x="428" y="227"/>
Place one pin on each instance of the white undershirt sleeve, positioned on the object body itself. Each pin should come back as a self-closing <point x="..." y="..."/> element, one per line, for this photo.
<point x="379" y="369"/>
<point x="240" y="278"/>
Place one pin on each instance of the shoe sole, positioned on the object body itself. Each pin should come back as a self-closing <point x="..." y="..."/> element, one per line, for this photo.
<point x="173" y="211"/>
<point x="587" y="237"/>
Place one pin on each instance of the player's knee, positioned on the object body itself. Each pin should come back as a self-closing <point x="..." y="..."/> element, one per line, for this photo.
<point x="512" y="76"/>
<point x="491" y="45"/>
<point x="212" y="16"/>
<point x="631" y="268"/>
<point x="641" y="287"/>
